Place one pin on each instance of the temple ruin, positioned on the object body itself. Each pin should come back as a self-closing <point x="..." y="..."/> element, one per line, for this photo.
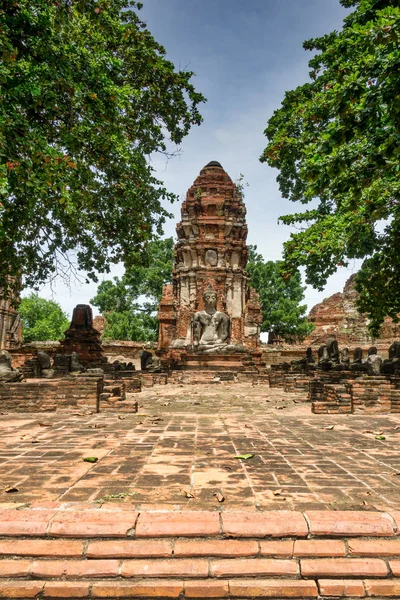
<point x="209" y="317"/>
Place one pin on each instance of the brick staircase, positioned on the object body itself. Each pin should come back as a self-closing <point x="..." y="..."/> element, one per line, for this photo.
<point x="69" y="551"/>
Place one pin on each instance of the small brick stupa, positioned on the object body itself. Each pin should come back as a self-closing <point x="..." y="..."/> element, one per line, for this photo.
<point x="209" y="317"/>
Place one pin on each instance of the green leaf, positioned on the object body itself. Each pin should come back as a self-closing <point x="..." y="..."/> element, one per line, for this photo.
<point x="245" y="456"/>
<point x="380" y="437"/>
<point x="90" y="459"/>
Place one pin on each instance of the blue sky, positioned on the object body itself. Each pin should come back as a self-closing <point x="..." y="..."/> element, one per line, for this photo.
<point x="246" y="54"/>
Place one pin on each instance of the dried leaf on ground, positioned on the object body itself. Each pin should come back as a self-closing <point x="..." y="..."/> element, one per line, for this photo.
<point x="187" y="494"/>
<point x="219" y="496"/>
<point x="329" y="427"/>
<point x="45" y="424"/>
<point x="11" y="489"/>
<point x="121" y="417"/>
<point x="277" y="492"/>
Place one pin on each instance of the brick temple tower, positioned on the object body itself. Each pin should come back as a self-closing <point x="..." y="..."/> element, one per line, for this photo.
<point x="210" y="255"/>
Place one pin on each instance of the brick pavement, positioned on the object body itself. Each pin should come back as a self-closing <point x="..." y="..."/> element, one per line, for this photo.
<point x="182" y="443"/>
<point x="126" y="526"/>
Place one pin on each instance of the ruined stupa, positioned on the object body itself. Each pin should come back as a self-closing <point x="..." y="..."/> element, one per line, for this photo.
<point x="209" y="316"/>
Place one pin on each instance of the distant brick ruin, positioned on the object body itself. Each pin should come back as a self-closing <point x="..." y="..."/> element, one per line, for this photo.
<point x="10" y="326"/>
<point x="209" y="316"/>
<point x="338" y="316"/>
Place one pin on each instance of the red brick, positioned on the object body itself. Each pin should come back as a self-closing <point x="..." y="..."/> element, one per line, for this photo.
<point x="41" y="548"/>
<point x="206" y="589"/>
<point x="75" y="568"/>
<point x="66" y="589"/>
<point x="341" y="588"/>
<point x="191" y="567"/>
<point x="158" y="589"/>
<point x="319" y="548"/>
<point x="24" y="522"/>
<point x="395" y="567"/>
<point x="215" y="548"/>
<point x="374" y="547"/>
<point x="272" y="588"/>
<point x="96" y="523"/>
<point x="14" y="568"/>
<point x="129" y="549"/>
<point x="275" y="548"/>
<point x="20" y="589"/>
<point x="343" y="567"/>
<point x="253" y="567"/>
<point x="271" y="523"/>
<point x="395" y="514"/>
<point x="201" y="523"/>
<point x="343" y="522"/>
<point x="384" y="589"/>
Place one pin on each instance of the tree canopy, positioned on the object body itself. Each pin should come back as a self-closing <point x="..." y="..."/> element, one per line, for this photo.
<point x="283" y="314"/>
<point x="336" y="141"/>
<point x="42" y="319"/>
<point x="87" y="96"/>
<point x="130" y="303"/>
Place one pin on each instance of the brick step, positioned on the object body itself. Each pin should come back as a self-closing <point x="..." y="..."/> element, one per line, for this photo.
<point x="62" y="551"/>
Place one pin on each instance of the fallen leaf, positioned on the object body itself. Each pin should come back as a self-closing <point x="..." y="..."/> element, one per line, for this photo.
<point x="11" y="489"/>
<point x="244" y="456"/>
<point x="166" y="403"/>
<point x="90" y="459"/>
<point x="35" y="441"/>
<point x="219" y="496"/>
<point x="45" y="424"/>
<point x="188" y="494"/>
<point x="121" y="417"/>
<point x="380" y="437"/>
<point x="277" y="492"/>
<point x="97" y="426"/>
<point x="329" y="427"/>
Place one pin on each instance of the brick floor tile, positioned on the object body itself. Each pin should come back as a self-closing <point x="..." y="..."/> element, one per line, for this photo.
<point x="343" y="567"/>
<point x="261" y="524"/>
<point x="276" y="548"/>
<point x="190" y="523"/>
<point x="253" y="567"/>
<point x="24" y="522"/>
<point x="92" y="523"/>
<point x="206" y="589"/>
<point x="191" y="567"/>
<point x="129" y="549"/>
<point x="319" y="548"/>
<point x="66" y="589"/>
<point x="47" y="548"/>
<point x="395" y="567"/>
<point x="349" y="523"/>
<point x="20" y="589"/>
<point x="272" y="588"/>
<point x="14" y="568"/>
<point x="215" y="548"/>
<point x="75" y="568"/>
<point x="383" y="589"/>
<point x="140" y="589"/>
<point x="341" y="588"/>
<point x="374" y="547"/>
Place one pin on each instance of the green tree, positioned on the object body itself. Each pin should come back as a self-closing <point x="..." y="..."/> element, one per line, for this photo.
<point x="283" y="315"/>
<point x="336" y="140"/>
<point x="130" y="303"/>
<point x="86" y="96"/>
<point x="42" y="319"/>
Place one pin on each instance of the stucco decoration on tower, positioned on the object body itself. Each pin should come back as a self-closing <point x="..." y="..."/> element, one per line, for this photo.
<point x="209" y="307"/>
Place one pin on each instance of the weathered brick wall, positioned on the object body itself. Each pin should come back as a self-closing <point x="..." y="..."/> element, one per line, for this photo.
<point x="44" y="395"/>
<point x="363" y="395"/>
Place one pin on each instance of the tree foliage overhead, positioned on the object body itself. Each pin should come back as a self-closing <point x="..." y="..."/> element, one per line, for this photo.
<point x="42" y="319"/>
<point x="283" y="314"/>
<point x="130" y="303"/>
<point x="86" y="96"/>
<point x="336" y="140"/>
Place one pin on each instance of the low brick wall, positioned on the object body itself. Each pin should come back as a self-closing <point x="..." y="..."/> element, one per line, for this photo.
<point x="364" y="395"/>
<point x="47" y="395"/>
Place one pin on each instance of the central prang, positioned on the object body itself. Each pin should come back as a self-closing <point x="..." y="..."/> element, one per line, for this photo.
<point x="209" y="308"/>
<point x="210" y="326"/>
